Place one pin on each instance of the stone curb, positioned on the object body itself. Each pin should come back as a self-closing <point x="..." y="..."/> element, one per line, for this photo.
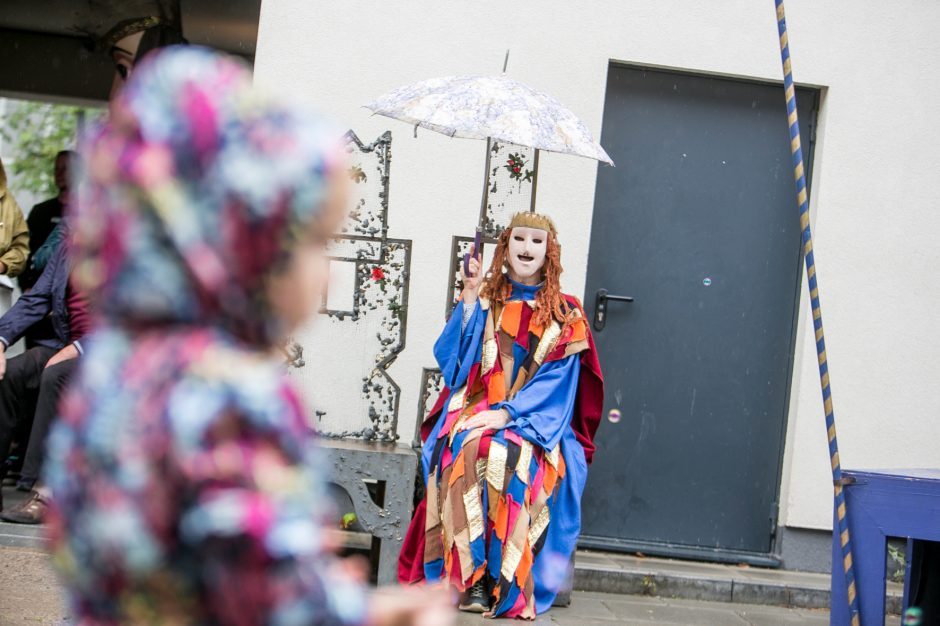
<point x="619" y="574"/>
<point x="21" y="536"/>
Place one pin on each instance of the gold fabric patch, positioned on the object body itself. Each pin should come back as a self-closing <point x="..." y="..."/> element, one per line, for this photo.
<point x="539" y="525"/>
<point x="474" y="509"/>
<point x="552" y="456"/>
<point x="549" y="339"/>
<point x="456" y="401"/>
<point x="525" y="458"/>
<point x="490" y="351"/>
<point x="496" y="465"/>
<point x="512" y="556"/>
<point x="481" y="469"/>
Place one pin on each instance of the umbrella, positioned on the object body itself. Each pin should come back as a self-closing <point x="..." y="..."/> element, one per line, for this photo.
<point x="494" y="108"/>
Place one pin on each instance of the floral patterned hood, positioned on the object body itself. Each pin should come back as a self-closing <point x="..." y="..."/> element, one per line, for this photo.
<point x="193" y="191"/>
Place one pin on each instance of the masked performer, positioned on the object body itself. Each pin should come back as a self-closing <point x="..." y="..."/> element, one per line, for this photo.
<point x="507" y="446"/>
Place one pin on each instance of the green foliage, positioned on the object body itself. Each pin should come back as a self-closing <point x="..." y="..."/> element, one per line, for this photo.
<point x="900" y="561"/>
<point x="37" y="132"/>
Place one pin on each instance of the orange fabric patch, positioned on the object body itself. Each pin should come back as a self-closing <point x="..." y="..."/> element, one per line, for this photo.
<point x="496" y="388"/>
<point x="502" y="519"/>
<point x="457" y="470"/>
<point x="510" y="317"/>
<point x="551" y="476"/>
<point x="525" y="566"/>
<point x="578" y="331"/>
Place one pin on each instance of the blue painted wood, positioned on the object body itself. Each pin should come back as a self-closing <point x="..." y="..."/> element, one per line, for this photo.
<point x="881" y="504"/>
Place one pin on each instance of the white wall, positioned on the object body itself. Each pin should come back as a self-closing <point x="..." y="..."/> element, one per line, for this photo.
<point x="875" y="188"/>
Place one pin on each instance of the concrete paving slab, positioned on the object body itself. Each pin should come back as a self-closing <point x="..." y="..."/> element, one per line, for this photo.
<point x="636" y="575"/>
<point x="642" y="611"/>
<point x="760" y="616"/>
<point x="29" y="590"/>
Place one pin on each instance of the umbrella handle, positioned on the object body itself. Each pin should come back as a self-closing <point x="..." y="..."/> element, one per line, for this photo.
<point x="477" y="251"/>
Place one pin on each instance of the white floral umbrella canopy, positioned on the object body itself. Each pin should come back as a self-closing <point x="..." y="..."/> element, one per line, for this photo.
<point x="491" y="107"/>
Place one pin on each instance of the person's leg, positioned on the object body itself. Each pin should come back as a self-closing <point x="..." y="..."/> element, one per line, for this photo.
<point x="54" y="381"/>
<point x="17" y="390"/>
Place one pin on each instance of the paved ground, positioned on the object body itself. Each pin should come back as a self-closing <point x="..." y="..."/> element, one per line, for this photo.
<point x="29" y="592"/>
<point x="30" y="596"/>
<point x="601" y="609"/>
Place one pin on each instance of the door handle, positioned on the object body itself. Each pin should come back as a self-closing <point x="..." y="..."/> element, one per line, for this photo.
<point x="600" y="307"/>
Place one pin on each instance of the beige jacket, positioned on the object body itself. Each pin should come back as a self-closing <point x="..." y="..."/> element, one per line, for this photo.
<point x="14" y="234"/>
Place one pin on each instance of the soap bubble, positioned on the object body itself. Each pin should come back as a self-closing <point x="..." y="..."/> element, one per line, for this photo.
<point x="613" y="416"/>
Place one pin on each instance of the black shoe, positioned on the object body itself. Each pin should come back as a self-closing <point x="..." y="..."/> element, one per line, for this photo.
<point x="477" y="600"/>
<point x="25" y="484"/>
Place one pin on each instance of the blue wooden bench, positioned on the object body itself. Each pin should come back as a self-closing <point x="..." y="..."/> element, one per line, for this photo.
<point x="882" y="504"/>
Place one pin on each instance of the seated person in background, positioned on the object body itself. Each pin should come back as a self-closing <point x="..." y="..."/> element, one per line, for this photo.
<point x="31" y="383"/>
<point x="41" y="256"/>
<point x="14" y="235"/>
<point x="45" y="216"/>
<point x="44" y="220"/>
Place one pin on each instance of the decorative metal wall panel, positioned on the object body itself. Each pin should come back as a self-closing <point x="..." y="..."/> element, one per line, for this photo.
<point x="371" y="332"/>
<point x="513" y="172"/>
<point x="432" y="383"/>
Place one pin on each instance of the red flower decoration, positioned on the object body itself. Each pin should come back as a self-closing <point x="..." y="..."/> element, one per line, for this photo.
<point x="377" y="273"/>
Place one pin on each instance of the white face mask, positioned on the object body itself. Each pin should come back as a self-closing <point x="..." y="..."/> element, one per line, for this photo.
<point x="526" y="253"/>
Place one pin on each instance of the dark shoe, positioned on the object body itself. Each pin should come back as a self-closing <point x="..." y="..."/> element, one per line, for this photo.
<point x="31" y="511"/>
<point x="25" y="484"/>
<point x="478" y="600"/>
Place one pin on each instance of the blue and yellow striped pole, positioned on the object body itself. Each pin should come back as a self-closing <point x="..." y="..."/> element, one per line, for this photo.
<point x="800" y="176"/>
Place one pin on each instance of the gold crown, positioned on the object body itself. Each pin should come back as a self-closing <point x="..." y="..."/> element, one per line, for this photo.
<point x="529" y="219"/>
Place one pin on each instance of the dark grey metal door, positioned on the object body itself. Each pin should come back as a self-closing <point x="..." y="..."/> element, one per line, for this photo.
<point x="698" y="223"/>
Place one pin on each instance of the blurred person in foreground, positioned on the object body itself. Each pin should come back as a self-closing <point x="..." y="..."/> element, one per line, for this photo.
<point x="183" y="472"/>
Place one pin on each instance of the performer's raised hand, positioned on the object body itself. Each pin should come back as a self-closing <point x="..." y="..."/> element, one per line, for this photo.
<point x="471" y="283"/>
<point x="488" y="420"/>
